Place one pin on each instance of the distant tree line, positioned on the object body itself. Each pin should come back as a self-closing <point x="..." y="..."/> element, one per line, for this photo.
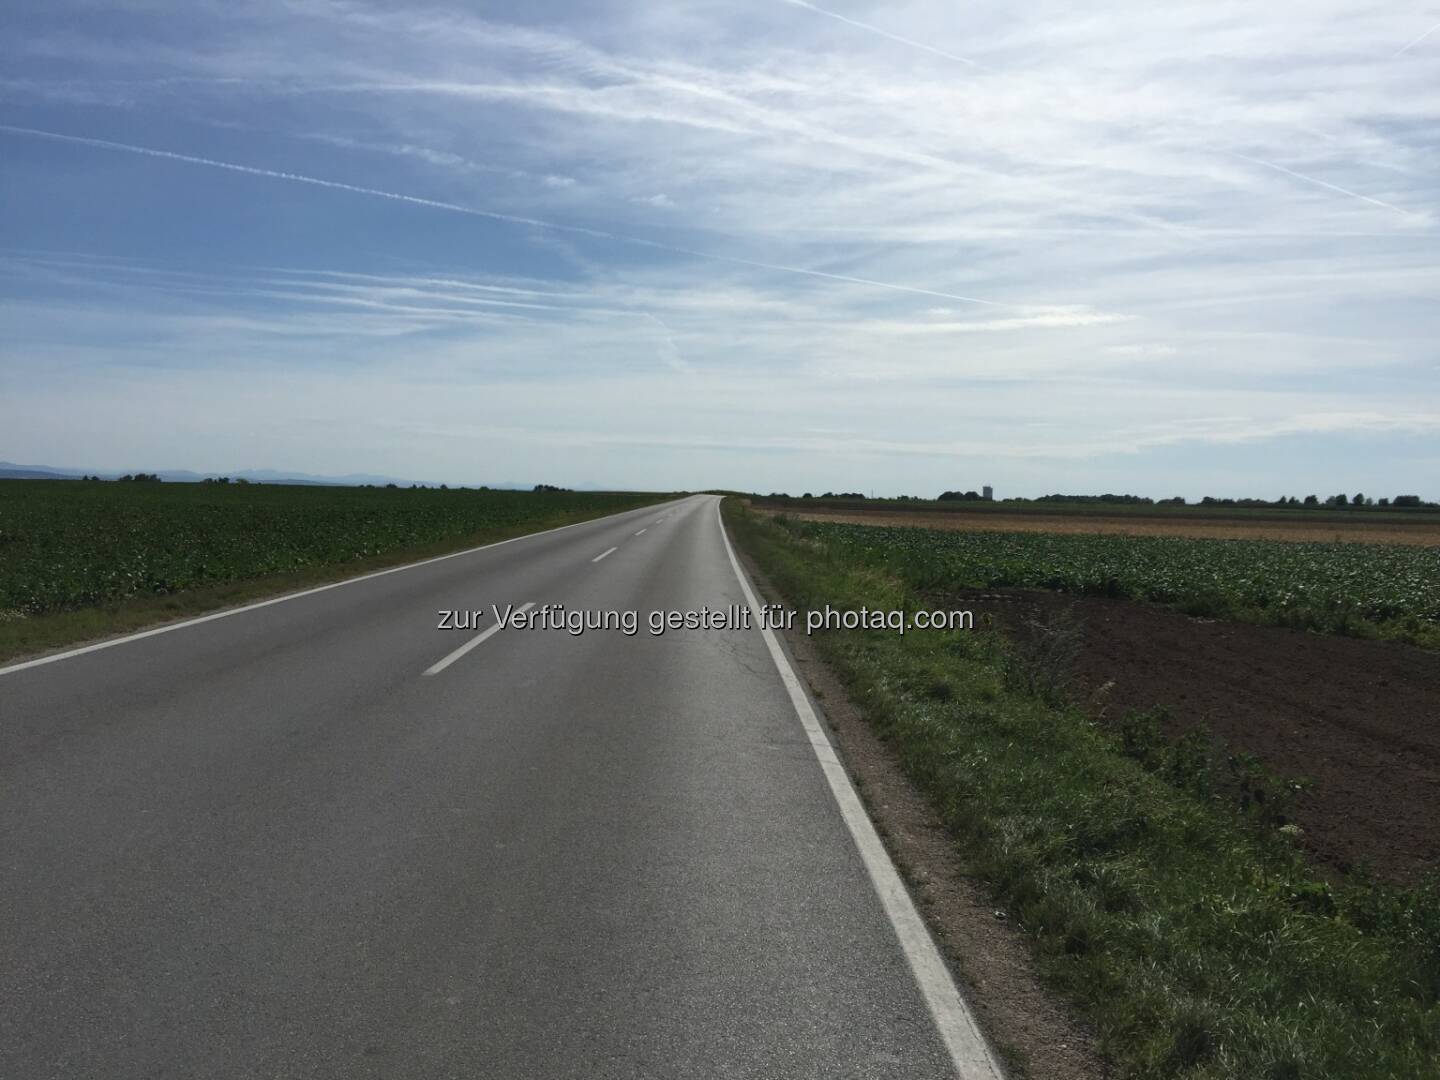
<point x="961" y="496"/>
<point x="827" y="495"/>
<point x="1123" y="500"/>
<point x="1348" y="502"/>
<point x="1335" y="502"/>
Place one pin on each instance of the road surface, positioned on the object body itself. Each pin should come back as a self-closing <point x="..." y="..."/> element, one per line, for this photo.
<point x="295" y="841"/>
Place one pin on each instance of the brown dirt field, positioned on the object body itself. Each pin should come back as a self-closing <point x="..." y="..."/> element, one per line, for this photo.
<point x="1361" y="719"/>
<point x="1424" y="534"/>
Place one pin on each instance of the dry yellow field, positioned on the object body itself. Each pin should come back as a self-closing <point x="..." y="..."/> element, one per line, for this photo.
<point x="1421" y="534"/>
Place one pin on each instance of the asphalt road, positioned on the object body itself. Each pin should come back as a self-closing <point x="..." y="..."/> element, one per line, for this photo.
<point x="271" y="845"/>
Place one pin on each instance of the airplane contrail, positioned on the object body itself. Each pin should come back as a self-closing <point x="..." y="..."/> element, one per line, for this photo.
<point x="1071" y="95"/>
<point x="1416" y="41"/>
<point x="1321" y="183"/>
<point x="886" y="34"/>
<point x="495" y="215"/>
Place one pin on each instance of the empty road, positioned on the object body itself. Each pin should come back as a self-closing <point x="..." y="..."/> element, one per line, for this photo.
<point x="321" y="837"/>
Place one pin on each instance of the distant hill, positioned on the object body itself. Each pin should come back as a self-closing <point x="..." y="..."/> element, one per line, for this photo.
<point x="23" y="472"/>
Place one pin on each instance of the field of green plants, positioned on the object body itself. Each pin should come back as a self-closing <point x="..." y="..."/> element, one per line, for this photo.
<point x="70" y="544"/>
<point x="1388" y="589"/>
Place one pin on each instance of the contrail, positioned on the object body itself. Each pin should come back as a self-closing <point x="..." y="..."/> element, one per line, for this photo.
<point x="671" y="353"/>
<point x="1321" y="183"/>
<point x="1406" y="48"/>
<point x="1068" y="93"/>
<point x="886" y="34"/>
<point x="494" y="215"/>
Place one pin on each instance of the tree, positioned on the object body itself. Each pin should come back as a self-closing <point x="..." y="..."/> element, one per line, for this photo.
<point x="1311" y="500"/>
<point x="1358" y="499"/>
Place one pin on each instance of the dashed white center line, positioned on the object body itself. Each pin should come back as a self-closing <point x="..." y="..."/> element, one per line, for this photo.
<point x="642" y="530"/>
<point x="441" y="665"/>
<point x="602" y="554"/>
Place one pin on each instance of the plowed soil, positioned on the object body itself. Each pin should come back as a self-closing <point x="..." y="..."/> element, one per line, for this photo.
<point x="1360" y="719"/>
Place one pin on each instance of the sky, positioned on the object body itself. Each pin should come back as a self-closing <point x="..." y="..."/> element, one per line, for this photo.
<point x="1172" y="249"/>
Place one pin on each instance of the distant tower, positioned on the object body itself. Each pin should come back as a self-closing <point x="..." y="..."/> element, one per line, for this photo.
<point x="987" y="493"/>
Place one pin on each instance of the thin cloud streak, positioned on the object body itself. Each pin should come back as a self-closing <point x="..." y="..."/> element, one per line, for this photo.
<point x="1406" y="48"/>
<point x="1073" y="98"/>
<point x="887" y="34"/>
<point x="493" y="215"/>
<point x="1408" y="214"/>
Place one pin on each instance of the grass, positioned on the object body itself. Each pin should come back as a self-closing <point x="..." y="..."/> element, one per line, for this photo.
<point x="1365" y="590"/>
<point x="1189" y="930"/>
<point x="81" y="560"/>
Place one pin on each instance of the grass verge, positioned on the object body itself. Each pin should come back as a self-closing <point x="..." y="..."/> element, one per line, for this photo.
<point x="1196" y="939"/>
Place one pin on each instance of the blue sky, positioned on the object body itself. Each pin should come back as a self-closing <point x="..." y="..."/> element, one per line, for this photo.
<point x="1190" y="248"/>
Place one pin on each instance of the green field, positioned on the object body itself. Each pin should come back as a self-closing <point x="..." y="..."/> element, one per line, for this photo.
<point x="1373" y="589"/>
<point x="78" y="558"/>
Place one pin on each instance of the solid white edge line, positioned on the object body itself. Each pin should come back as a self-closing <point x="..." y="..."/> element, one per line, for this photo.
<point x="970" y="1053"/>
<point x="181" y="625"/>
<point x="602" y="554"/>
<point x="484" y="635"/>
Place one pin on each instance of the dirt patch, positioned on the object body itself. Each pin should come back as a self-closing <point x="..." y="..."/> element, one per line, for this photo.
<point x="991" y="959"/>
<point x="1422" y="534"/>
<point x="1360" y="719"/>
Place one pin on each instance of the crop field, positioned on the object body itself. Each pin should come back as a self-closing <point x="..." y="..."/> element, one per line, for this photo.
<point x="1368" y="589"/>
<point x="1355" y="528"/>
<point x="71" y="544"/>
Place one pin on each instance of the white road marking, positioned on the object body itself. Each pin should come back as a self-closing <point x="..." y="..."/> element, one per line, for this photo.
<point x="602" y="554"/>
<point x="971" y="1055"/>
<point x="170" y="627"/>
<point x="480" y="638"/>
<point x="642" y="530"/>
